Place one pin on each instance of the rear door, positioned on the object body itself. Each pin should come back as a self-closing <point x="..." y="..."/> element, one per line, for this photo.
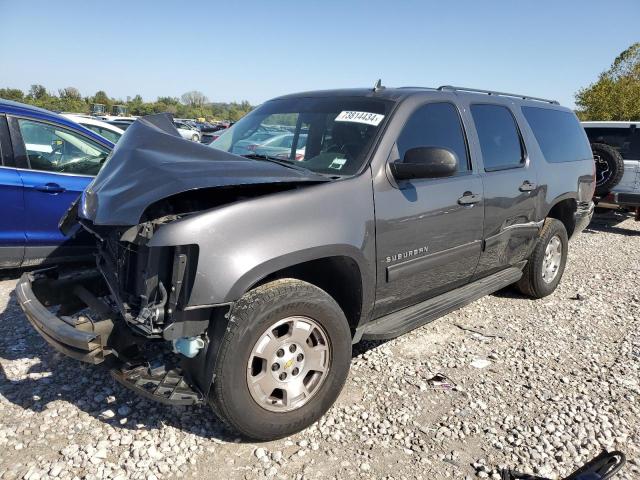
<point x="510" y="186"/>
<point x="428" y="231"/>
<point x="57" y="164"/>
<point x="12" y="236"/>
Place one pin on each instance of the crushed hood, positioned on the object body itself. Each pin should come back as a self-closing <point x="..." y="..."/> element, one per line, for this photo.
<point x="151" y="162"/>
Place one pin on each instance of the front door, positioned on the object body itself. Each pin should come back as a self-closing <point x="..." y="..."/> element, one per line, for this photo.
<point x="428" y="231"/>
<point x="61" y="163"/>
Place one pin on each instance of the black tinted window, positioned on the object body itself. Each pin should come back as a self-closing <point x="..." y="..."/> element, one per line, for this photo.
<point x="499" y="137"/>
<point x="625" y="140"/>
<point x="559" y="134"/>
<point x="435" y="125"/>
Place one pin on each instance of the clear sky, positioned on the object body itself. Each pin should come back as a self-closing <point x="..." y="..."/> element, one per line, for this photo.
<point x="255" y="50"/>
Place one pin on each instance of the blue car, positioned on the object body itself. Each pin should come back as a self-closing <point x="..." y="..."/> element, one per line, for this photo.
<point x="46" y="162"/>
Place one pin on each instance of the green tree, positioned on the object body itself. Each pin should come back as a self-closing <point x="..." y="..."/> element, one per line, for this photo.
<point x="69" y="100"/>
<point x="38" y="92"/>
<point x="169" y="100"/>
<point x="616" y="93"/>
<point x="12" y="94"/>
<point x="70" y="93"/>
<point x="192" y="104"/>
<point x="101" y="97"/>
<point x="136" y="105"/>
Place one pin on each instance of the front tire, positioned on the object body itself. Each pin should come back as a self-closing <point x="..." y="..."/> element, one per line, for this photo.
<point x="545" y="266"/>
<point x="283" y="360"/>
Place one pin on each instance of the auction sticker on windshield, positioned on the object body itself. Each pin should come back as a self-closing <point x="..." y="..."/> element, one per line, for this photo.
<point x="360" y="117"/>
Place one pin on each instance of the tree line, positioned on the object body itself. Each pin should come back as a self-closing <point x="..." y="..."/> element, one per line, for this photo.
<point x="193" y="104"/>
<point x="614" y="96"/>
<point x="616" y="93"/>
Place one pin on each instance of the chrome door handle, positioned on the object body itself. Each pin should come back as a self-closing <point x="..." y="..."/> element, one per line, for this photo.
<point x="469" y="198"/>
<point x="527" y="186"/>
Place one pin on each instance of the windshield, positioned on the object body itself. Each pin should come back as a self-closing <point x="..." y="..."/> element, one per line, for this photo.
<point x="326" y="135"/>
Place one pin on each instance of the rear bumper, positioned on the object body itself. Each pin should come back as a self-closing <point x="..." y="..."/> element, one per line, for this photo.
<point x="82" y="339"/>
<point x="620" y="199"/>
<point x="583" y="216"/>
<point x="627" y="199"/>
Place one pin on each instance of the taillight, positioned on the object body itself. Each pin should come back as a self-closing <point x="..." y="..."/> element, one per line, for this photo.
<point x="299" y="156"/>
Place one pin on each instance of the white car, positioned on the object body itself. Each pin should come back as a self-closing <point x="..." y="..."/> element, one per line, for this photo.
<point x="103" y="129"/>
<point x="187" y="131"/>
<point x="616" y="147"/>
<point x="280" y="146"/>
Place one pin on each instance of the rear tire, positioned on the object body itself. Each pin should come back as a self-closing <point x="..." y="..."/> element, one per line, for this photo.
<point x="545" y="266"/>
<point x="268" y="336"/>
<point x="609" y="167"/>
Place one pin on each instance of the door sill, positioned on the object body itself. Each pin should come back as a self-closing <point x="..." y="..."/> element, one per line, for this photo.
<point x="403" y="321"/>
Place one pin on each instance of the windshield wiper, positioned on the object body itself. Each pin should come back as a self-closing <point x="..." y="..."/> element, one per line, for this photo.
<point x="279" y="161"/>
<point x="289" y="164"/>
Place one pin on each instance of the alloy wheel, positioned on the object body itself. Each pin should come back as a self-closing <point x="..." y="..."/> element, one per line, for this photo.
<point x="552" y="259"/>
<point x="288" y="364"/>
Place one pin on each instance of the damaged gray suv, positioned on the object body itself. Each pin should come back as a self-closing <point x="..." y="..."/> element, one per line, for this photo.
<point x="242" y="281"/>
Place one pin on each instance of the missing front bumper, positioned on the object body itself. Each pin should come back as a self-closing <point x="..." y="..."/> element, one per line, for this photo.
<point x="137" y="363"/>
<point x="82" y="338"/>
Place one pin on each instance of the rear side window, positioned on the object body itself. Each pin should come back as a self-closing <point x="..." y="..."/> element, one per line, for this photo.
<point x="435" y="125"/>
<point x="559" y="134"/>
<point x="499" y="136"/>
<point x="625" y="140"/>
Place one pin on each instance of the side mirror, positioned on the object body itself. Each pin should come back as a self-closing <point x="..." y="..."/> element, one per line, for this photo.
<point x="425" y="162"/>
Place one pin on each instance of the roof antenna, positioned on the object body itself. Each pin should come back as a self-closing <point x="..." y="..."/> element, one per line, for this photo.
<point x="378" y="85"/>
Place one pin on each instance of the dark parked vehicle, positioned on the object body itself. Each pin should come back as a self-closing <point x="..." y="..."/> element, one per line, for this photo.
<point x="210" y="134"/>
<point x="244" y="281"/>
<point x="121" y="124"/>
<point x="46" y="161"/>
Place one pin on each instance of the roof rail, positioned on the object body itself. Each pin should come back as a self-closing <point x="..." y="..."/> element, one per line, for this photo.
<point x="412" y="87"/>
<point x="491" y="92"/>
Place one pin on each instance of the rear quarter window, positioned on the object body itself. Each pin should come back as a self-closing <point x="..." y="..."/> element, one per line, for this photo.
<point x="559" y="134"/>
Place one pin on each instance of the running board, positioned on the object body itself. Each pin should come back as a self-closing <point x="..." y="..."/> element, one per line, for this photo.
<point x="405" y="320"/>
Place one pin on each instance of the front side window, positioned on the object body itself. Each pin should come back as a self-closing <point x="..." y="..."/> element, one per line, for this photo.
<point x="625" y="140"/>
<point x="499" y="137"/>
<point x="435" y="125"/>
<point x="330" y="136"/>
<point x="558" y="133"/>
<point x="54" y="149"/>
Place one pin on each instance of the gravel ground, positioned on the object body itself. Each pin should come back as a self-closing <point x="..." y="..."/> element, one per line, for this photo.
<point x="559" y="382"/>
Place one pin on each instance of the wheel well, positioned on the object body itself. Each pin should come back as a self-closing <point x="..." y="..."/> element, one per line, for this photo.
<point x="338" y="276"/>
<point x="564" y="211"/>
